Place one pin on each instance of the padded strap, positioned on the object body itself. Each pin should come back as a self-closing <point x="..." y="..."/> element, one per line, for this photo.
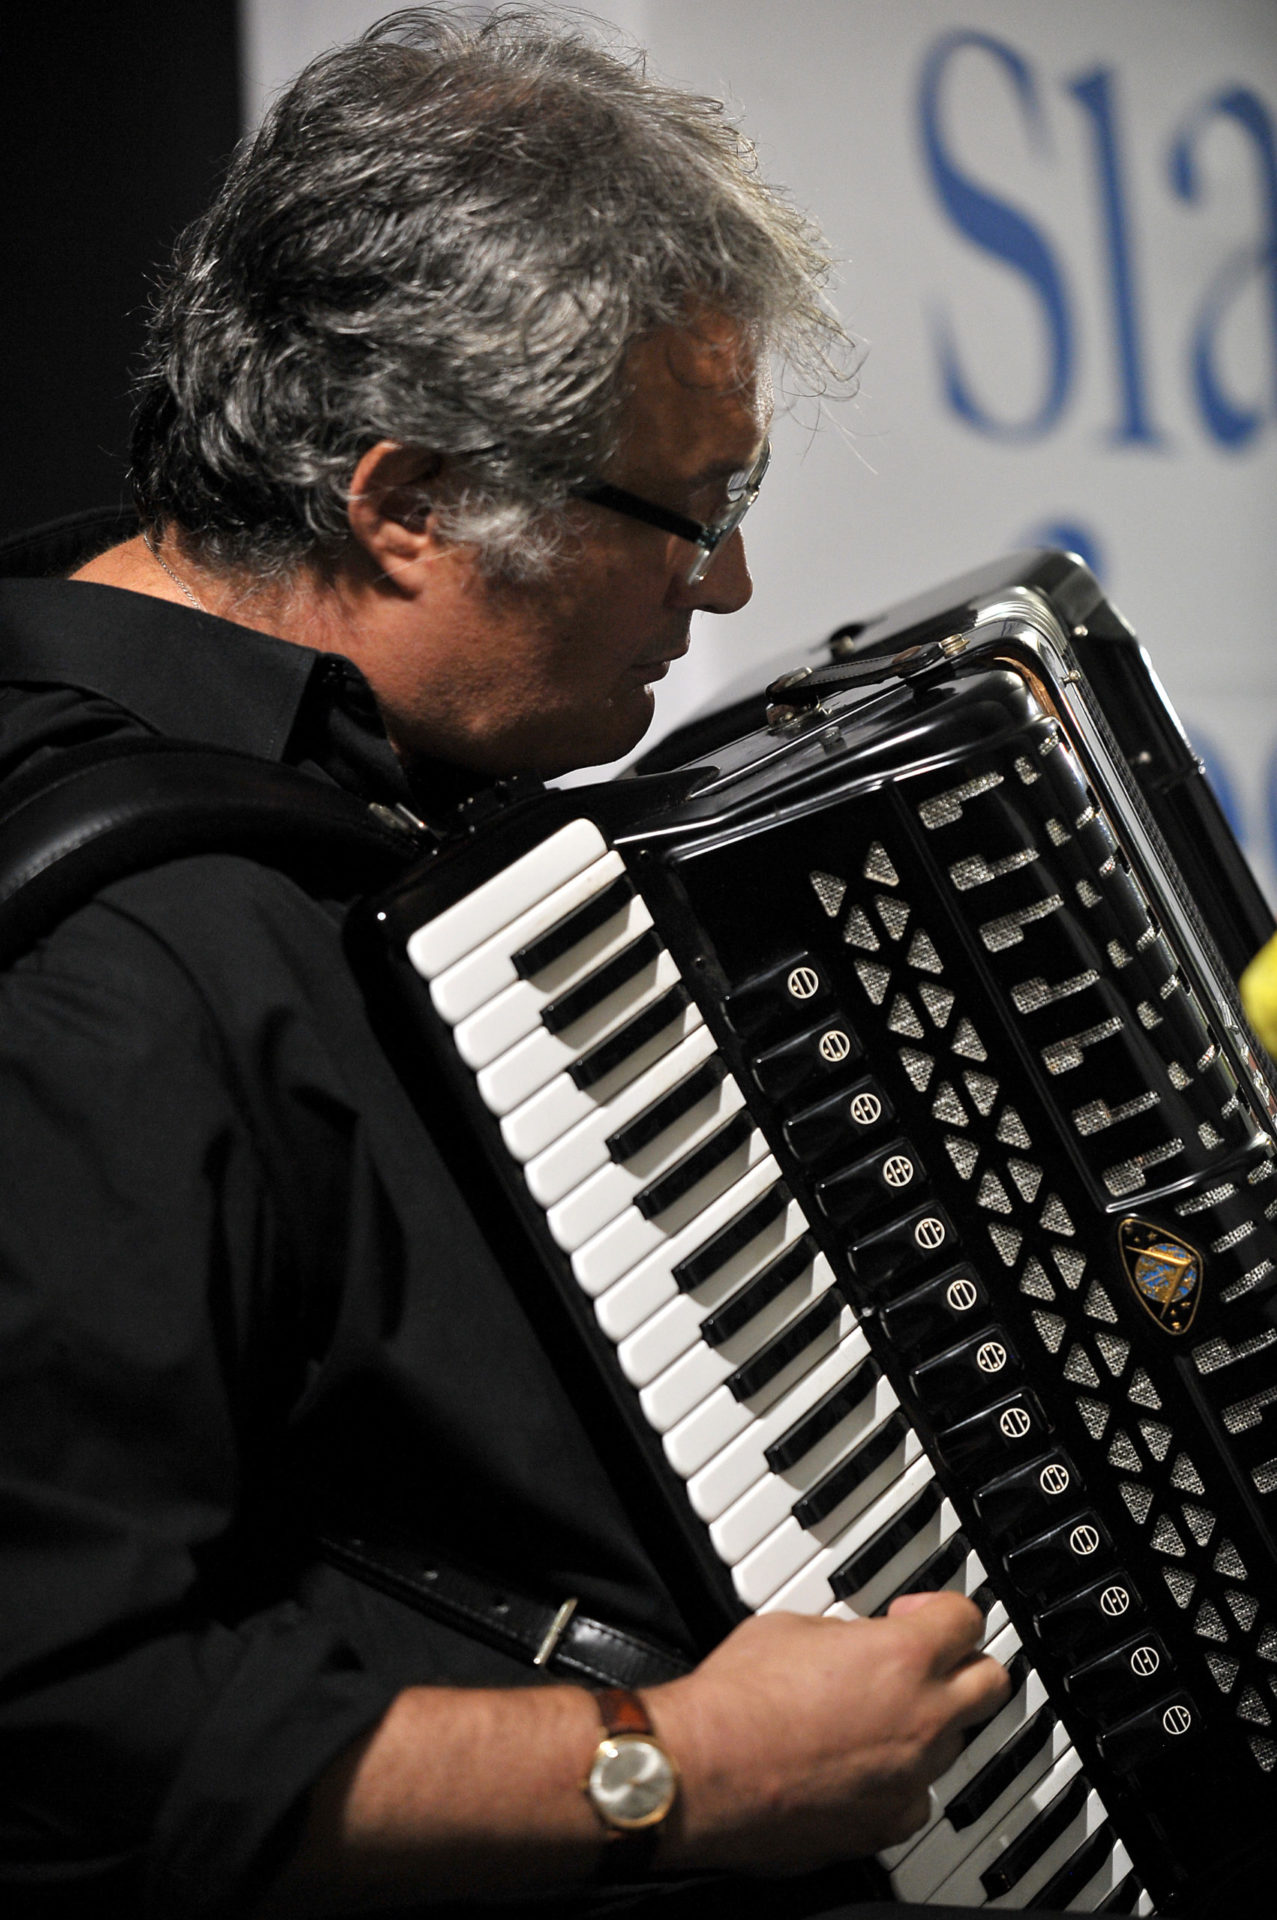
<point x="100" y="813"/>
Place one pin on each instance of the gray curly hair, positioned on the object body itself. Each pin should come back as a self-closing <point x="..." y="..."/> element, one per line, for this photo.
<point x="448" y="234"/>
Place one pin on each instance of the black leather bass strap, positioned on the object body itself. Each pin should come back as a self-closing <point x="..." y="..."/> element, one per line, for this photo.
<point x="562" y="1640"/>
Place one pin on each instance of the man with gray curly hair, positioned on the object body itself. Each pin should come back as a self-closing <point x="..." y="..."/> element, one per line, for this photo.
<point x="456" y="399"/>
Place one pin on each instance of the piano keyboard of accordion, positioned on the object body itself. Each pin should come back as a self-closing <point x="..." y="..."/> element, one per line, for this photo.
<point x="902" y="1154"/>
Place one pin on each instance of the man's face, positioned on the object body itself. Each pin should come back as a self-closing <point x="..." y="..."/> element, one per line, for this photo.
<point x="556" y="674"/>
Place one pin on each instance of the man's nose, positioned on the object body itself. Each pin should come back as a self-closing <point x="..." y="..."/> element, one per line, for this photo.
<point x="725" y="586"/>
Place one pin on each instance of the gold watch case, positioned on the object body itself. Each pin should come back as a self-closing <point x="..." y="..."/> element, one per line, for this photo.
<point x="632" y="1782"/>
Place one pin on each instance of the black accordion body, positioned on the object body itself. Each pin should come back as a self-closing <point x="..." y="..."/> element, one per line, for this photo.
<point x="871" y="1103"/>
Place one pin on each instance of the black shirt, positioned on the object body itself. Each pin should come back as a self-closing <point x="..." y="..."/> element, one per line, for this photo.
<point x="240" y="1297"/>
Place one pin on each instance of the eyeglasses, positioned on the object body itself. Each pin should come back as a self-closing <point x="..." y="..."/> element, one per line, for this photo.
<point x="742" y="491"/>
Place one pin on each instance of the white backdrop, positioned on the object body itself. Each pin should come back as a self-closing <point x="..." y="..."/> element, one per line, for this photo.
<point x="1057" y="228"/>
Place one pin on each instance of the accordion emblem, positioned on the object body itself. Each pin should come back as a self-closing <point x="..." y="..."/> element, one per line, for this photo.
<point x="1165" y="1273"/>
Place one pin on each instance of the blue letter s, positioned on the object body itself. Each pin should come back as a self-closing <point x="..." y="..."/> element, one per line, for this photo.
<point x="1001" y="231"/>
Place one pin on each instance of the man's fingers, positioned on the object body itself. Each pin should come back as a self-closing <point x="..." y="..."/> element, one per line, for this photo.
<point x="914" y="1814"/>
<point x="948" y="1625"/>
<point x="977" y="1688"/>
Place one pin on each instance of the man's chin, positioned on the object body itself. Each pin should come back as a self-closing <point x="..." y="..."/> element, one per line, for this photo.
<point x="603" y="738"/>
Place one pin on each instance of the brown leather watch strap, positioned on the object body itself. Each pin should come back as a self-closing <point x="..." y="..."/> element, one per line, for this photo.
<point x="627" y="1856"/>
<point x="622" y="1711"/>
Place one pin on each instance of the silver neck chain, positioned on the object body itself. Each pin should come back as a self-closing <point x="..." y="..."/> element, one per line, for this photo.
<point x="177" y="580"/>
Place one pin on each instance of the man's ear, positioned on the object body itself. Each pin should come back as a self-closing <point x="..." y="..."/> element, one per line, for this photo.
<point x="389" y="507"/>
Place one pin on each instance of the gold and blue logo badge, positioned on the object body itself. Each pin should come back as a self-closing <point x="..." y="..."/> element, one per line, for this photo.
<point x="1165" y="1272"/>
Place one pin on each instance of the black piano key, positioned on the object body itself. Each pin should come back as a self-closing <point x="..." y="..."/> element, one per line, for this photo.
<point x="571" y="929"/>
<point x="1018" y="1671"/>
<point x="609" y="1054"/>
<point x="846" y="1475"/>
<point x="784" y="1346"/>
<point x="1125" y="1897"/>
<point x="1028" y="1847"/>
<point x="1077" y="1872"/>
<point x="883" y="1546"/>
<point x="659" y="1195"/>
<point x="744" y="1305"/>
<point x="934" y="1573"/>
<point x="719" y="1248"/>
<point x="651" y="1123"/>
<point x="788" y="1448"/>
<point x="558" y="1015"/>
<point x="997" y="1773"/>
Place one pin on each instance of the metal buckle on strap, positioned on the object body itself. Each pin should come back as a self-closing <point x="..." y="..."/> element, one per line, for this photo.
<point x="554" y="1633"/>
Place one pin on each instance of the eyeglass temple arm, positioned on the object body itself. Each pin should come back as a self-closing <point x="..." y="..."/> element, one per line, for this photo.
<point x="663" y="517"/>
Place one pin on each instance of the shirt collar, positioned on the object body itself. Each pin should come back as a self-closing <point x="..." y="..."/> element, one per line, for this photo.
<point x="192" y="676"/>
<point x="179" y="672"/>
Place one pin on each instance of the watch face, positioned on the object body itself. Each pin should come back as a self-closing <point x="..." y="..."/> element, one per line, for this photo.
<point x="632" y="1782"/>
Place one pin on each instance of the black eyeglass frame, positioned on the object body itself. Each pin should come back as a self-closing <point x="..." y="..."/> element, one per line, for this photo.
<point x="708" y="537"/>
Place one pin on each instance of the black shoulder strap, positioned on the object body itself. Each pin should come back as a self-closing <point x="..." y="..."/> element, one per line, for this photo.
<point x="114" y="808"/>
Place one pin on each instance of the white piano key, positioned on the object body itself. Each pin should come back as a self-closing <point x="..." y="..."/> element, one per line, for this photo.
<point x="676" y="1325"/>
<point x="483" y="972"/>
<point x="495" y="1026"/>
<point x="996" y="1831"/>
<point x="990" y="1740"/>
<point x="646" y="1280"/>
<point x="573" y="1155"/>
<point x="1079" y="1830"/>
<point x="789" y="1547"/>
<point x="547" y="1115"/>
<point x="995" y="1620"/>
<point x="673" y="1394"/>
<point x="766" y="1505"/>
<point x="810" y="1592"/>
<point x="741" y="1461"/>
<point x="824" y="1343"/>
<point x="534" y="1060"/>
<point x="599" y="1199"/>
<point x="1104" y="1884"/>
<point x="459" y="928"/>
<point x="669" y="1346"/>
<point x="721" y="1419"/>
<point x="631" y="1238"/>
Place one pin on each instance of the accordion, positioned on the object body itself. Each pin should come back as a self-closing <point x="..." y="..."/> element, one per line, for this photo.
<point x="871" y="1104"/>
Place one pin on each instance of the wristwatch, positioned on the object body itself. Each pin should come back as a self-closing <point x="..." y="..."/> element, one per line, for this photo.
<point x="632" y="1783"/>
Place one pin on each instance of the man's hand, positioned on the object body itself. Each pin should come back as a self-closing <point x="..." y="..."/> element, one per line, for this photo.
<point x="799" y="1742"/>
<point x="806" y="1740"/>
